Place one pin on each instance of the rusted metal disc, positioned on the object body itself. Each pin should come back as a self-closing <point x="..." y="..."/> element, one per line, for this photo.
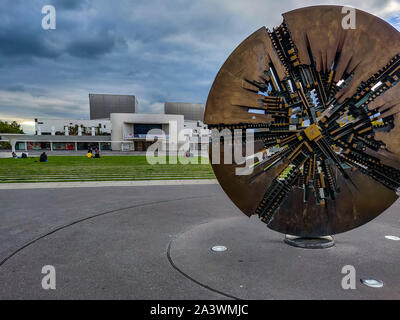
<point x="323" y="102"/>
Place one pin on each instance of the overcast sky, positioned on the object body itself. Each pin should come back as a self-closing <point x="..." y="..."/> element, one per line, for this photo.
<point x="159" y="50"/>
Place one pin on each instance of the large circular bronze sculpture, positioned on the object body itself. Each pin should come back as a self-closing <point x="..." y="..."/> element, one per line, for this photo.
<point x="323" y="103"/>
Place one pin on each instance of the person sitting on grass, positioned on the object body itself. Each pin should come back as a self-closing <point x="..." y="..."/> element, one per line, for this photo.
<point x="43" y="157"/>
<point x="24" y="155"/>
<point x="89" y="155"/>
<point x="97" y="153"/>
<point x="14" y="155"/>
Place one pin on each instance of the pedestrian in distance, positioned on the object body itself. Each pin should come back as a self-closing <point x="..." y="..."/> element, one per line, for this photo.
<point x="43" y="157"/>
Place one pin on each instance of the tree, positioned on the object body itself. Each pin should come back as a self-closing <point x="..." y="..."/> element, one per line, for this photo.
<point x="73" y="131"/>
<point x="5" y="127"/>
<point x="13" y="127"/>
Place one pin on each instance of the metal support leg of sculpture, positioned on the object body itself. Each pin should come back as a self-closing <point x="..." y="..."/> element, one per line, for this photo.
<point x="310" y="243"/>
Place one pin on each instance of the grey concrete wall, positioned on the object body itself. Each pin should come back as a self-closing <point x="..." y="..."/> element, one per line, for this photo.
<point x="102" y="105"/>
<point x="191" y="111"/>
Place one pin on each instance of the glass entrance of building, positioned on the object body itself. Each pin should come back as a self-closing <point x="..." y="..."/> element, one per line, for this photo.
<point x="142" y="145"/>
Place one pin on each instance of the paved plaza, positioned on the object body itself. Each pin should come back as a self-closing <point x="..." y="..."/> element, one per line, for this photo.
<point x="153" y="242"/>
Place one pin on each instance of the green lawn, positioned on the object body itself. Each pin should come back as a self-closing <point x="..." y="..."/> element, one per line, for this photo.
<point x="108" y="168"/>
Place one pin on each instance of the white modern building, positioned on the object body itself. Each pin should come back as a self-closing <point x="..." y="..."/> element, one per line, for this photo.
<point x="25" y="142"/>
<point x="74" y="127"/>
<point x="136" y="132"/>
<point x="127" y="131"/>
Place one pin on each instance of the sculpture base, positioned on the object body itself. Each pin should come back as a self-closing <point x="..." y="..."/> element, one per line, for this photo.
<point x="309" y="243"/>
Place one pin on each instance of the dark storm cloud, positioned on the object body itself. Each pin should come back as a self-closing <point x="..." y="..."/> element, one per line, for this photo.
<point x="69" y="4"/>
<point x="156" y="49"/>
<point x="35" y="92"/>
<point x="94" y="46"/>
<point x="16" y="43"/>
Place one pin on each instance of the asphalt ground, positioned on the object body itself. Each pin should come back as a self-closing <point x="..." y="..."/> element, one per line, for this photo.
<point x="153" y="242"/>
